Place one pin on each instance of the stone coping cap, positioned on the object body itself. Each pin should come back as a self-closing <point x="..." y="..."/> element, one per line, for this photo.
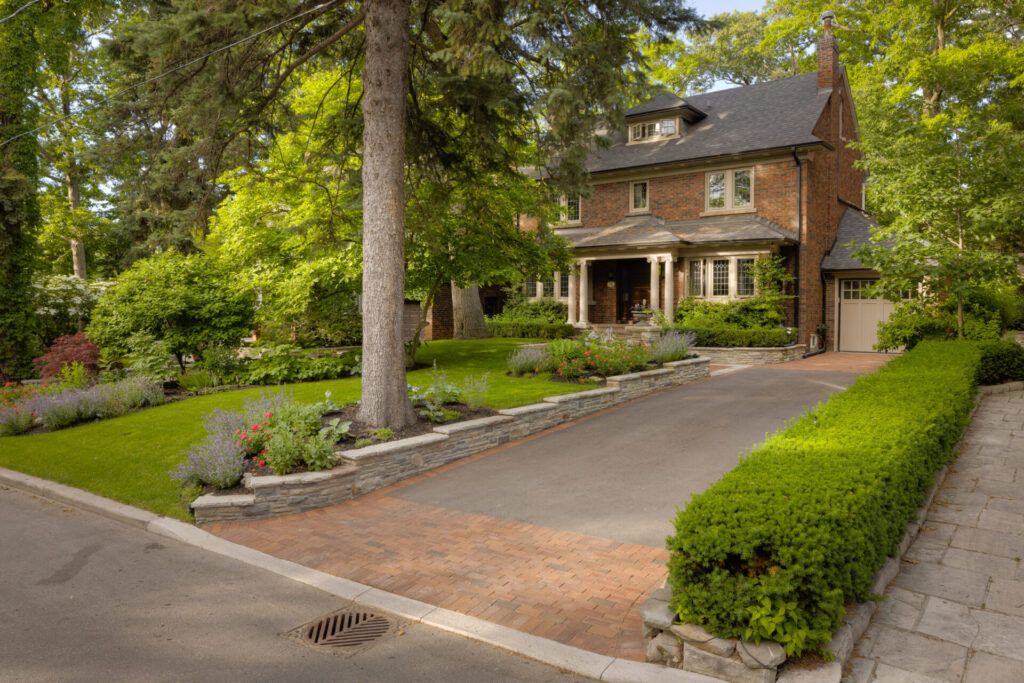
<point x="528" y="409"/>
<point x="390" y="447"/>
<point x="297" y="479"/>
<point x="469" y="425"/>
<point x="210" y="501"/>
<point x="633" y="376"/>
<point x="749" y="348"/>
<point x="565" y="398"/>
<point x="686" y="361"/>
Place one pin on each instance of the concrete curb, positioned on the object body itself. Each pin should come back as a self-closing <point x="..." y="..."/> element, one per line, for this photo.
<point x="565" y="657"/>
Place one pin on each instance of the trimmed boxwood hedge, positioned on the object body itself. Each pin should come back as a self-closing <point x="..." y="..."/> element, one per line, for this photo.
<point x="1001" y="361"/>
<point x="740" y="336"/>
<point x="530" y="329"/>
<point x="777" y="546"/>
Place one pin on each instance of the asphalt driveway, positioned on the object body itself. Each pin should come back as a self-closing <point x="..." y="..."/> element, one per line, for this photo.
<point x="621" y="474"/>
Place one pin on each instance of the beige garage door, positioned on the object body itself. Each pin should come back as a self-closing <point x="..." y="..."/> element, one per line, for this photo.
<point x="859" y="316"/>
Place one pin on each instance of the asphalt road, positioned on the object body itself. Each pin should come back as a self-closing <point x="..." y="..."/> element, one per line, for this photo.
<point x="84" y="598"/>
<point x="620" y="475"/>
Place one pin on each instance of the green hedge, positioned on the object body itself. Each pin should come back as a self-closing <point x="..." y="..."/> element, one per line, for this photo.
<point x="777" y="546"/>
<point x="1001" y="361"/>
<point x="530" y="329"/>
<point x="738" y="336"/>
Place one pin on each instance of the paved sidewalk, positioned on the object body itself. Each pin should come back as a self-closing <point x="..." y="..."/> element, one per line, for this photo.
<point x="955" y="612"/>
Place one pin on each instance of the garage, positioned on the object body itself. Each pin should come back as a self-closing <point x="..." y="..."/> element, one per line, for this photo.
<point x="860" y="314"/>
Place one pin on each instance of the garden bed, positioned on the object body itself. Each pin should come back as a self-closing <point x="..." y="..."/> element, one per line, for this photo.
<point x="361" y="470"/>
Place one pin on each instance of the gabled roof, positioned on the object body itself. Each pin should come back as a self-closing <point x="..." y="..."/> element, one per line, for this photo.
<point x="764" y="116"/>
<point x="644" y="231"/>
<point x="666" y="102"/>
<point x="855" y="226"/>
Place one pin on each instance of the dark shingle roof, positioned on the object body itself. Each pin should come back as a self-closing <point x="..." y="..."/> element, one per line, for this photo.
<point x="665" y="102"/>
<point x="771" y="115"/>
<point x="643" y="231"/>
<point x="855" y="226"/>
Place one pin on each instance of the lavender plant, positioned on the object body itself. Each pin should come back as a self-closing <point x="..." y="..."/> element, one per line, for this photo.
<point x="219" y="459"/>
<point x="671" y="346"/>
<point x="63" y="409"/>
<point x="474" y="390"/>
<point x="528" y="359"/>
<point x="15" y="420"/>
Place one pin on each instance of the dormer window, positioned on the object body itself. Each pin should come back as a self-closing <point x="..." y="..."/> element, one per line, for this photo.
<point x="640" y="132"/>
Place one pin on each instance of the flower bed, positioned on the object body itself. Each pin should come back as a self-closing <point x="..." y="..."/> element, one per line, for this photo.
<point x="763" y="554"/>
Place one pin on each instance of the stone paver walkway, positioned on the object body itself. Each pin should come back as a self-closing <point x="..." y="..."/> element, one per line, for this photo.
<point x="955" y="612"/>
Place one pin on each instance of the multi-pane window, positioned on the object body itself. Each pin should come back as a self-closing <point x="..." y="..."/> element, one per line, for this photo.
<point x="531" y="288"/>
<point x="696" y="278"/>
<point x="732" y="189"/>
<point x="654" y="129"/>
<point x="638" y="201"/>
<point x="549" y="288"/>
<point x="720" y="277"/>
<point x="563" y="284"/>
<point x="744" y="277"/>
<point x="571" y="209"/>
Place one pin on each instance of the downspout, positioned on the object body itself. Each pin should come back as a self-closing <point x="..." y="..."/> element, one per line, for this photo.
<point x="799" y="232"/>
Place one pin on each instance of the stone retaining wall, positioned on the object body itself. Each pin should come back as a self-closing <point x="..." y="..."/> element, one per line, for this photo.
<point x="753" y="355"/>
<point x="365" y="469"/>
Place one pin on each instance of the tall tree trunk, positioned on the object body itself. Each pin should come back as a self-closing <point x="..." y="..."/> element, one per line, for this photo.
<point x="71" y="182"/>
<point x="385" y="399"/>
<point x="468" y="314"/>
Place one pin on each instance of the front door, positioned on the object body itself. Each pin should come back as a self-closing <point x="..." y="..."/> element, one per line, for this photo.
<point x="634" y="287"/>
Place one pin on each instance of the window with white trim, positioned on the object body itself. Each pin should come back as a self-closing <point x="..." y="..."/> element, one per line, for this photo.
<point x="730" y="190"/>
<point x="646" y="132"/>
<point x="571" y="209"/>
<point x="530" y="288"/>
<point x="563" y="285"/>
<point x="638" y="198"/>
<point x="549" y="288"/>
<point x="721" y="277"/>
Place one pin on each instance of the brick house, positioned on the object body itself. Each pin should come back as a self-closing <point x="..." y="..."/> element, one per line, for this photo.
<point x="699" y="187"/>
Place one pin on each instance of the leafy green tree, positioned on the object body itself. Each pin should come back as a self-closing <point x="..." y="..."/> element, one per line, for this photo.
<point x="188" y="302"/>
<point x="19" y="174"/>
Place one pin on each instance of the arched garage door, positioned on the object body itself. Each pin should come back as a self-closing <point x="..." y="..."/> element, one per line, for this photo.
<point x="859" y="316"/>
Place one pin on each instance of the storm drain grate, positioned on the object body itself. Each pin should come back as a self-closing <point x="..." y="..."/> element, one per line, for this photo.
<point x="346" y="629"/>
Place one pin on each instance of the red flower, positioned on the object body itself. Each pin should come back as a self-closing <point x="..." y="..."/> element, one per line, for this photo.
<point x="268" y="414"/>
<point x="263" y="452"/>
<point x="262" y="462"/>
<point x="255" y="428"/>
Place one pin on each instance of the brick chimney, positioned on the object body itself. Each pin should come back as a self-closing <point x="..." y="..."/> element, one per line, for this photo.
<point x="828" y="53"/>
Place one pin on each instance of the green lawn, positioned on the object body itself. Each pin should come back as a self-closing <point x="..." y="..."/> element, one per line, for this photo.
<point x="128" y="458"/>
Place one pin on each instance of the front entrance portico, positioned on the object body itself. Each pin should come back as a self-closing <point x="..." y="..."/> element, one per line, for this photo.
<point x="604" y="289"/>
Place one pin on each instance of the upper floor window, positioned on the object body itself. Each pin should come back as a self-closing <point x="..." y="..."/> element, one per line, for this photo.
<point x="638" y="200"/>
<point x="654" y="129"/>
<point x="571" y="209"/>
<point x="732" y="189"/>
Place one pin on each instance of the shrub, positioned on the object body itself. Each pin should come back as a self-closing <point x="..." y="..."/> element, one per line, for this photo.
<point x="118" y="398"/>
<point x="738" y="337"/>
<point x="73" y="376"/>
<point x="63" y="408"/>
<point x="672" y="345"/>
<point x="150" y="357"/>
<point x="596" y="353"/>
<point x="529" y="359"/>
<point x="763" y="553"/>
<point x="15" y="420"/>
<point x="288" y="363"/>
<point x="198" y="380"/>
<point x="1001" y="361"/>
<point x="190" y="302"/>
<point x="918" y="319"/>
<point x="221" y="361"/>
<point x="64" y="302"/>
<point x="530" y="329"/>
<point x="74" y="348"/>
<point x="545" y="310"/>
<point x="755" y="312"/>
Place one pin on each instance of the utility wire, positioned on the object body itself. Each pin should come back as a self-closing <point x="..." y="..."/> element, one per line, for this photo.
<point x="19" y="10"/>
<point x="159" y="76"/>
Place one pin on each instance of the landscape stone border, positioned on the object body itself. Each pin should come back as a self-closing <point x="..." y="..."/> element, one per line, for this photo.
<point x="751" y="355"/>
<point x="366" y="469"/>
<point x="690" y="648"/>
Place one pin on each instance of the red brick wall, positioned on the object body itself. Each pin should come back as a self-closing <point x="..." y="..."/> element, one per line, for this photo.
<point x="850" y="179"/>
<point x="681" y="197"/>
<point x="441" y="323"/>
<point x="830" y="311"/>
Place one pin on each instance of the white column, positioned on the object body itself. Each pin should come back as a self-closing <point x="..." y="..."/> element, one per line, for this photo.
<point x="655" y="284"/>
<point x="584" y="292"/>
<point x="574" y="302"/>
<point x="670" y="285"/>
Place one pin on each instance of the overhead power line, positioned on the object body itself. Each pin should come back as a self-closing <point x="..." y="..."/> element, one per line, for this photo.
<point x="19" y="10"/>
<point x="108" y="98"/>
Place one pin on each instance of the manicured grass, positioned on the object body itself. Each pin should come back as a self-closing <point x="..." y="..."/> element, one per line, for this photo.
<point x="128" y="458"/>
